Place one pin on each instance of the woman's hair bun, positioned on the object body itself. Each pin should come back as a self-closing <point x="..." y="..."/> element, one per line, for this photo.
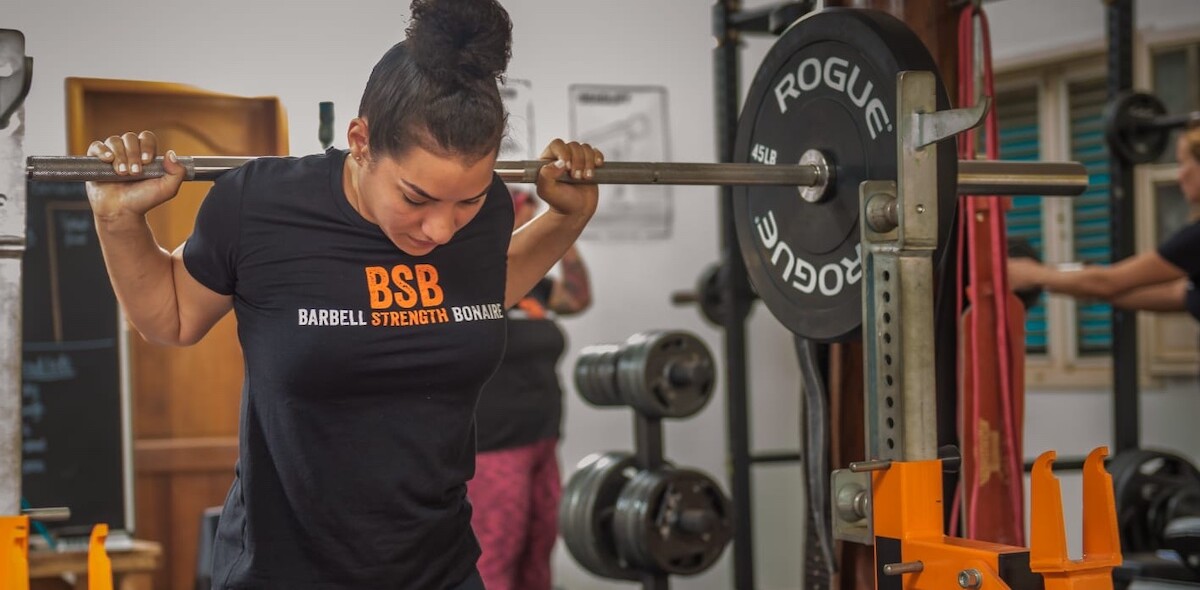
<point x="460" y="40"/>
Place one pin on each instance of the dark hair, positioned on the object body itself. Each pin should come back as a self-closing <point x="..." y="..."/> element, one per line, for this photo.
<point x="437" y="89"/>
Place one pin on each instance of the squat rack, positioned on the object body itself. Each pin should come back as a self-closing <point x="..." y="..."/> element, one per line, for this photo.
<point x="730" y="22"/>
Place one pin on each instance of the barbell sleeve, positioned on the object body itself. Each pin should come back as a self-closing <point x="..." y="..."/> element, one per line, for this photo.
<point x="59" y="514"/>
<point x="985" y="177"/>
<point x="1005" y="177"/>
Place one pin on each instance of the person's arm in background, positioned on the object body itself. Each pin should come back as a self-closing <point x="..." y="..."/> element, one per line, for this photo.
<point x="1107" y="283"/>
<point x="1151" y="281"/>
<point x="572" y="290"/>
<point x="1163" y="297"/>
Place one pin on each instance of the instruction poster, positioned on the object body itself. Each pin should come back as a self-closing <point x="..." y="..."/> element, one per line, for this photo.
<point x="627" y="123"/>
<point x="518" y="100"/>
<point x="518" y="143"/>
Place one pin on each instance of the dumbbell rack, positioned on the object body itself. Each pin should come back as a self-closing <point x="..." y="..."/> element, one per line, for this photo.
<point x="648" y="450"/>
<point x="633" y="515"/>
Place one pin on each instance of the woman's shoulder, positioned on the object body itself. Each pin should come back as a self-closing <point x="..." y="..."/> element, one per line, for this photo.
<point x="1182" y="247"/>
<point x="265" y="178"/>
<point x="1188" y="233"/>
<point x="498" y="204"/>
<point x="266" y="170"/>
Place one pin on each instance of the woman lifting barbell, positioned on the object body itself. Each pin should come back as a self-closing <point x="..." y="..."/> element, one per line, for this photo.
<point x="1161" y="280"/>
<point x="368" y="291"/>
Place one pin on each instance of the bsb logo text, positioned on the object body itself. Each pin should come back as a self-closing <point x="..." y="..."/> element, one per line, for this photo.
<point x="401" y="296"/>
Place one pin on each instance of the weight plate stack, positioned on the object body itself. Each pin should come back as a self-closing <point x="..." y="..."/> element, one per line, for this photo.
<point x="672" y="521"/>
<point x="665" y="374"/>
<point x="596" y="375"/>
<point x="585" y="514"/>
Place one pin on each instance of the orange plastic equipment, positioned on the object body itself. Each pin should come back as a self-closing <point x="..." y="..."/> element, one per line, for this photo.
<point x="14" y="552"/>
<point x="907" y="508"/>
<point x="99" y="566"/>
<point x="1101" y="541"/>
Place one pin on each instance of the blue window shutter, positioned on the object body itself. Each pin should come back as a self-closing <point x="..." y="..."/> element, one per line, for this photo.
<point x="1093" y="321"/>
<point x="1017" y="114"/>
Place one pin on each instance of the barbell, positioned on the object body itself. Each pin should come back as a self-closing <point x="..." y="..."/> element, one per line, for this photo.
<point x="1138" y="128"/>
<point x="818" y="121"/>
<point x="975" y="177"/>
<point x="800" y="241"/>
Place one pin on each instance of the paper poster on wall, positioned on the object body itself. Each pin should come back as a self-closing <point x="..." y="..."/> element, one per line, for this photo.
<point x="628" y="123"/>
<point x="518" y="141"/>
<point x="518" y="100"/>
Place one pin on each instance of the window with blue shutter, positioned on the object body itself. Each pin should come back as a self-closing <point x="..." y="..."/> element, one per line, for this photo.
<point x="1017" y="115"/>
<point x="1054" y="110"/>
<point x="1090" y="218"/>
<point x="1177" y="84"/>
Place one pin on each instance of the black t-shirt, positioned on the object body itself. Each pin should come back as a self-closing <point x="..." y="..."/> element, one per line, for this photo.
<point x="522" y="403"/>
<point x="363" y="367"/>
<point x="1183" y="250"/>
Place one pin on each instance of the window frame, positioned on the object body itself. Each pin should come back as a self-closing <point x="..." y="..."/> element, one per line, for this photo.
<point x="1168" y="342"/>
<point x="1062" y="367"/>
<point x="1160" y="334"/>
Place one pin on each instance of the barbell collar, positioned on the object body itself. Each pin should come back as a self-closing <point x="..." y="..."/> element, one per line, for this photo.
<point x="975" y="177"/>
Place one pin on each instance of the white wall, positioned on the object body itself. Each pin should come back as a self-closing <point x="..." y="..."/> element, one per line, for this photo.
<point x="306" y="52"/>
<point x="1027" y="28"/>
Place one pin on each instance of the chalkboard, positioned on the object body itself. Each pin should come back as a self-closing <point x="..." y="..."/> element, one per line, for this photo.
<point x="74" y="412"/>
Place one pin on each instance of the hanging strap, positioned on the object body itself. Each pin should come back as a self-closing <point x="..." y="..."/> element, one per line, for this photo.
<point x="981" y="285"/>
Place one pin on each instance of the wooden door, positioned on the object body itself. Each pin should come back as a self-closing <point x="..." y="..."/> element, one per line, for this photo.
<point x="185" y="400"/>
